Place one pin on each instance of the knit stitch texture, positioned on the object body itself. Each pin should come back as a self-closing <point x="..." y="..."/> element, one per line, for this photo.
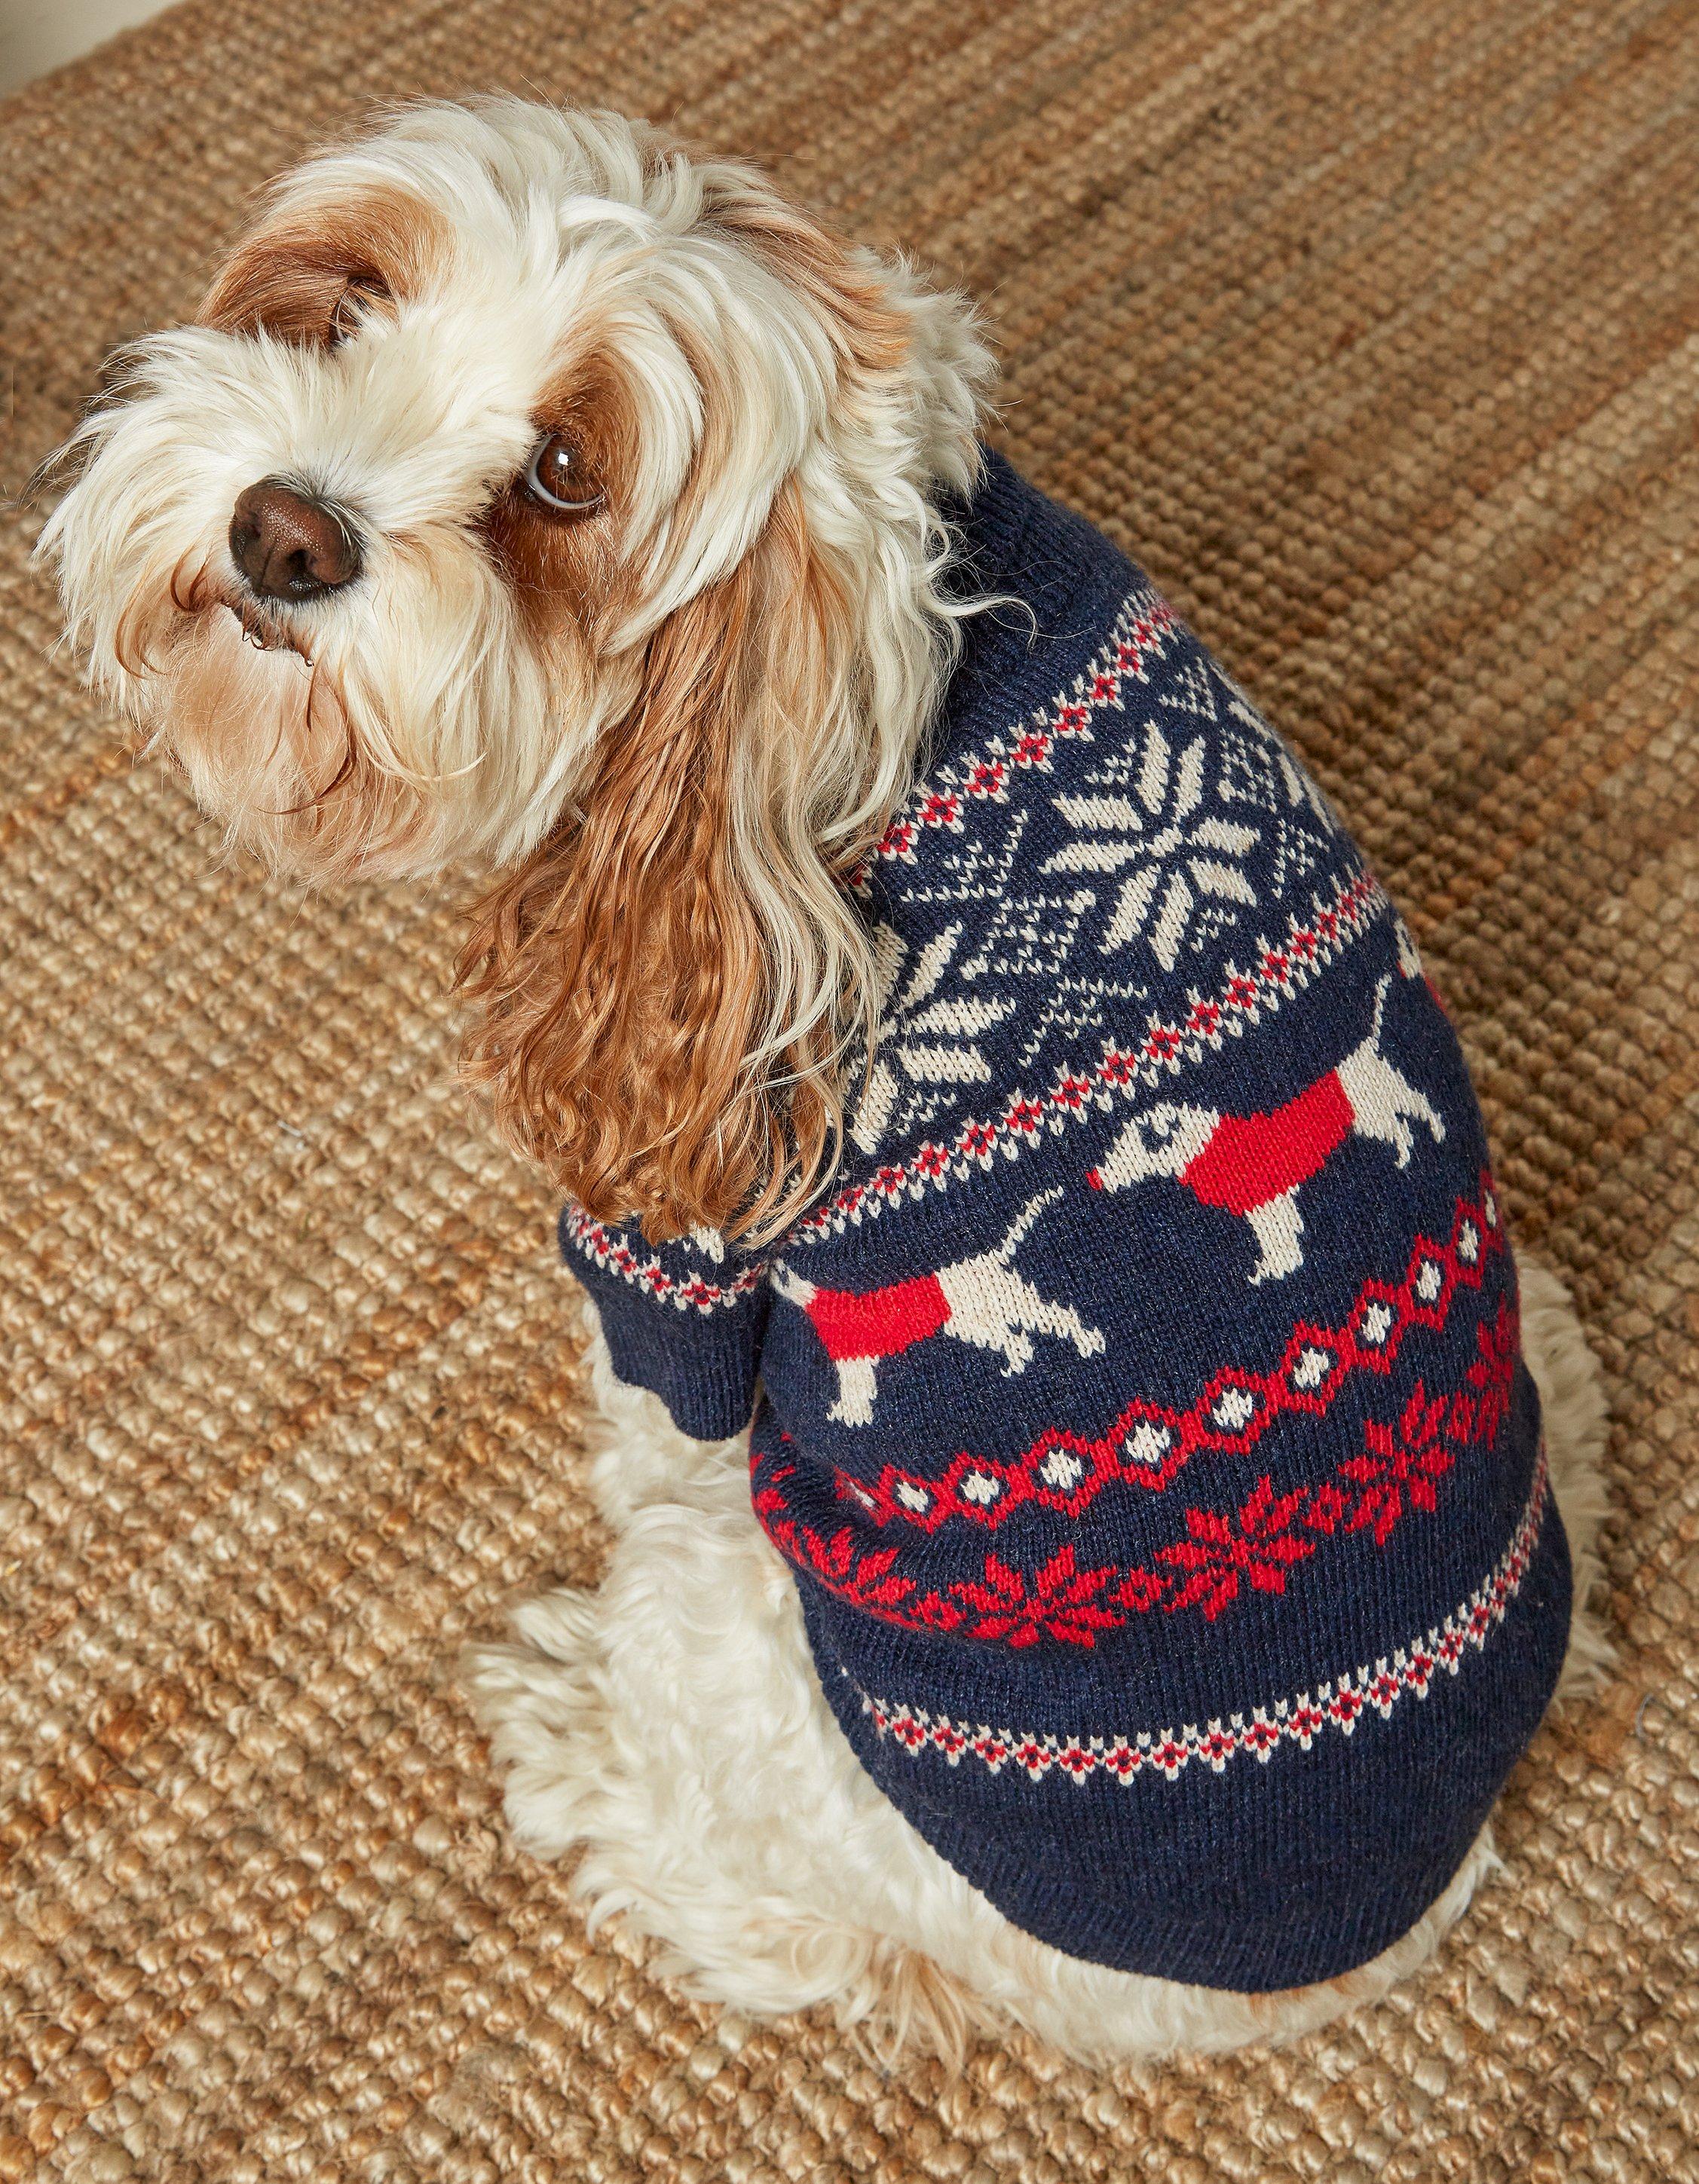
<point x="1141" y="1409"/>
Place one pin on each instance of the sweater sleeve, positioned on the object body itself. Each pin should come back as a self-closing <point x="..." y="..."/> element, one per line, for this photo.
<point x="683" y="1319"/>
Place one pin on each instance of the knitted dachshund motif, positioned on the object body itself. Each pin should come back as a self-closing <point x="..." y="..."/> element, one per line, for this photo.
<point x="982" y="1300"/>
<point x="1252" y="1165"/>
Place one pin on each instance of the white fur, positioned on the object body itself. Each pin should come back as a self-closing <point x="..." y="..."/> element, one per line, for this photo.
<point x="670" y="1726"/>
<point x="1577" y="1421"/>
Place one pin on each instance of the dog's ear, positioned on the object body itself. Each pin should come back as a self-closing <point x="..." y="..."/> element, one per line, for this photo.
<point x="669" y="986"/>
<point x="665" y="985"/>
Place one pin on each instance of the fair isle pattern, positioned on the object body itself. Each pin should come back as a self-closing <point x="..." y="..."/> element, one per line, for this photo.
<point x="691" y="1292"/>
<point x="1221" y="1554"/>
<point x="1244" y="999"/>
<point x="1551" y="168"/>
<point x="1140" y="634"/>
<point x="1164" y="1753"/>
<point x="1056" y="882"/>
<point x="1252" y="775"/>
<point x="1150" y="1443"/>
<point x="1277" y="970"/>
<point x="1095" y="920"/>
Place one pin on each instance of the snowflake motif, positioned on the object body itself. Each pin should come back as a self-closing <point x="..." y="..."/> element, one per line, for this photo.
<point x="1492" y="1376"/>
<point x="1049" y="883"/>
<point x="1258" y="1546"/>
<point x="1300" y="790"/>
<point x="1040" y="937"/>
<point x="1061" y="1603"/>
<point x="865" y="1581"/>
<point x="1172" y="857"/>
<point x="1265" y="769"/>
<point x="1397" y="1470"/>
<point x="929" y="1041"/>
<point x="1141" y="1589"/>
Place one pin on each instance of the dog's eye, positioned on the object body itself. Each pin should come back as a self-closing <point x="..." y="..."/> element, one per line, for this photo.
<point x="558" y="478"/>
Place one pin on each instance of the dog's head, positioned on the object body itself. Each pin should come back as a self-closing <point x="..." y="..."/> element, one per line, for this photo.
<point x="1165" y="1141"/>
<point x="530" y="494"/>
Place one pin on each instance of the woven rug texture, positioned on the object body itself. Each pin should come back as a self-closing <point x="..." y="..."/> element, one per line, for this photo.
<point x="1373" y="331"/>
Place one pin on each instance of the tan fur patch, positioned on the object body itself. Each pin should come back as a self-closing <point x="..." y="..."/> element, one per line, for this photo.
<point x="622" y="971"/>
<point x="563" y="570"/>
<point x="290" y="274"/>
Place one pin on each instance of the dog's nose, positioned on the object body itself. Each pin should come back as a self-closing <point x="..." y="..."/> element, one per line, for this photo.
<point x="289" y="546"/>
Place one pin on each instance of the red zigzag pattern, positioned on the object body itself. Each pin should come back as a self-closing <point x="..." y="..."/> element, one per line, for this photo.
<point x="1148" y="1444"/>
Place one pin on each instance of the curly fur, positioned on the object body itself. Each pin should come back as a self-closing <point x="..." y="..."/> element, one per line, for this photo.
<point x="674" y="724"/>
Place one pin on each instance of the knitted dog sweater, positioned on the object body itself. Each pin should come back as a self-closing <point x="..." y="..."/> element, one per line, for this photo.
<point x="1141" y="1409"/>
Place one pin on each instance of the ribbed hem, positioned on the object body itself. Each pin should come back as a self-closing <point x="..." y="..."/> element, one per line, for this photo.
<point x="703" y="1365"/>
<point x="709" y="1392"/>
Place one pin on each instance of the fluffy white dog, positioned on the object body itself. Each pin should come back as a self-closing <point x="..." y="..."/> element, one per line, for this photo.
<point x="530" y="493"/>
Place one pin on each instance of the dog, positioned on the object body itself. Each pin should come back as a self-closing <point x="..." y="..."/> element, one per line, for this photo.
<point x="975" y="1301"/>
<point x="1252" y="1165"/>
<point x="533" y="497"/>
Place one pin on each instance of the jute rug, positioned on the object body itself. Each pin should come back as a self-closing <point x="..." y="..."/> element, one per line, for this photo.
<point x="1374" y="331"/>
